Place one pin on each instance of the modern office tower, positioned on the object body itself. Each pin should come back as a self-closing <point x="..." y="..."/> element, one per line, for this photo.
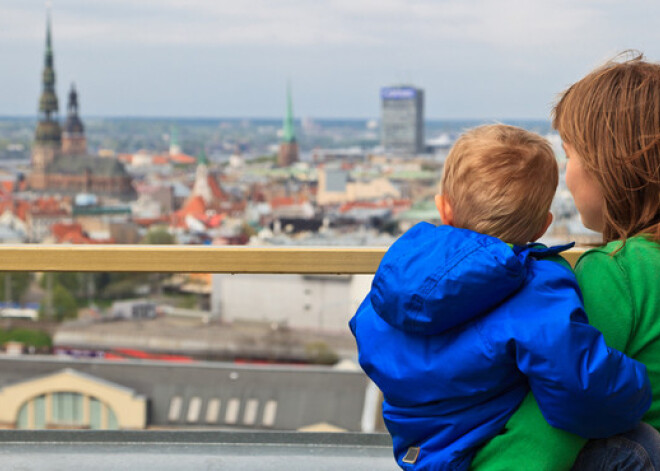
<point x="288" y="152"/>
<point x="402" y="119"/>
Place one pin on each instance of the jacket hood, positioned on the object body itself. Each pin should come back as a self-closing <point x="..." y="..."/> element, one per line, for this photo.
<point x="435" y="278"/>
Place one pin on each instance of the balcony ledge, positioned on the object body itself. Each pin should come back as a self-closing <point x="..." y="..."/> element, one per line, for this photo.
<point x="209" y="450"/>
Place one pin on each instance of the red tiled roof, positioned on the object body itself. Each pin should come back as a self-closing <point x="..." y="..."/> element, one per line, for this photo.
<point x="21" y="209"/>
<point x="183" y="159"/>
<point x="73" y="238"/>
<point x="213" y="221"/>
<point x="47" y="204"/>
<point x="217" y="191"/>
<point x="60" y="230"/>
<point x="195" y="206"/>
<point x="47" y="207"/>
<point x="160" y="160"/>
<point x="7" y="205"/>
<point x="73" y="234"/>
<point x="7" y="186"/>
<point x="280" y="201"/>
<point x="146" y="222"/>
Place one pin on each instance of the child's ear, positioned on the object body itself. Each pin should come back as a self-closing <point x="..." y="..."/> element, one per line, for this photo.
<point x="444" y="209"/>
<point x="548" y="221"/>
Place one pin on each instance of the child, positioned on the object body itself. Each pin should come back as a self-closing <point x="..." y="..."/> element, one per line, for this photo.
<point x="610" y="124"/>
<point x="459" y="324"/>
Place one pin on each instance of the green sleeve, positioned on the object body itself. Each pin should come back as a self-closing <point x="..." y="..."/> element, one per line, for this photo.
<point x="528" y="442"/>
<point x="607" y="298"/>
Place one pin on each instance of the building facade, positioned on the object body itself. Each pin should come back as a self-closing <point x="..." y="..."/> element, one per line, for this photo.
<point x="45" y="392"/>
<point x="402" y="119"/>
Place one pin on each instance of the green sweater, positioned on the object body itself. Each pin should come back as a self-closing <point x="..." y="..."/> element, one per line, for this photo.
<point x="622" y="298"/>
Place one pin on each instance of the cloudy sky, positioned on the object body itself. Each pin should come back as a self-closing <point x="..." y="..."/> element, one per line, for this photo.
<point x="232" y="58"/>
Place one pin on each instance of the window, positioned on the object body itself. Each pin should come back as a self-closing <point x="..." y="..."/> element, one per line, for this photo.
<point x="39" y="405"/>
<point x="175" y="409"/>
<point x="67" y="409"/>
<point x="270" y="411"/>
<point x="212" y="411"/>
<point x="95" y="417"/>
<point x="112" y="419"/>
<point x="250" y="414"/>
<point x="22" y="421"/>
<point x="194" y="408"/>
<point x="231" y="414"/>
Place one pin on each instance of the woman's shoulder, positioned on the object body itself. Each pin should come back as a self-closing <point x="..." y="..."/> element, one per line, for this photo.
<point x="636" y="249"/>
<point x="615" y="280"/>
<point x="634" y="263"/>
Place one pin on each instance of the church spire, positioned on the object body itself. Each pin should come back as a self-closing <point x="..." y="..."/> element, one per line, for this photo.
<point x="288" y="132"/>
<point x="49" y="48"/>
<point x="73" y="135"/>
<point x="175" y="148"/>
<point x="48" y="129"/>
<point x="72" y="105"/>
<point x="288" y="151"/>
<point x="202" y="159"/>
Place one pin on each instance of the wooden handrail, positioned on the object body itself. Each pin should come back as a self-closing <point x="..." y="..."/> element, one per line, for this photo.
<point x="197" y="259"/>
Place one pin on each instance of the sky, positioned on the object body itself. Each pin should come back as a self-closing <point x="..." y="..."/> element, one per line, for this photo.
<point x="475" y="59"/>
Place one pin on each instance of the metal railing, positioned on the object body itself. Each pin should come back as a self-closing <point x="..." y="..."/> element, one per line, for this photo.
<point x="197" y="259"/>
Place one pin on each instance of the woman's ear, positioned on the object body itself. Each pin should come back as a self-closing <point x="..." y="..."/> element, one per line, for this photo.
<point x="444" y="209"/>
<point x="548" y="221"/>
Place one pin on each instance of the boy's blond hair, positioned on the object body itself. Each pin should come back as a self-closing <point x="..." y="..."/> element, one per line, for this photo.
<point x="500" y="181"/>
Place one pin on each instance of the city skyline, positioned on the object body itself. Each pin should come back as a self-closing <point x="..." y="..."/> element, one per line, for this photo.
<point x="219" y="59"/>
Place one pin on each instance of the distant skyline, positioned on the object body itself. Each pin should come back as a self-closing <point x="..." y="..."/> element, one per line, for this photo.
<point x="475" y="59"/>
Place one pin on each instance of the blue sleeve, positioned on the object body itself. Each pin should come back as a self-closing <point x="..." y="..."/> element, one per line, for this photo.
<point x="580" y="384"/>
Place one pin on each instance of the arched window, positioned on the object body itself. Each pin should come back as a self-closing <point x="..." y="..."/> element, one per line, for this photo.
<point x="66" y="410"/>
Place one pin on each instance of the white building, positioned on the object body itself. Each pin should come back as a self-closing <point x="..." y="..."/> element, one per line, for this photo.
<point x="324" y="302"/>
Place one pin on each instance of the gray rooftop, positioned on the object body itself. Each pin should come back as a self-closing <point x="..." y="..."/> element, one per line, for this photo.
<point x="210" y="341"/>
<point x="77" y="164"/>
<point x="336" y="180"/>
<point x="279" y="397"/>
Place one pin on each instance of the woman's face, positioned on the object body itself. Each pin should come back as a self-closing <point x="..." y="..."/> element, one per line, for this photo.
<point x="586" y="193"/>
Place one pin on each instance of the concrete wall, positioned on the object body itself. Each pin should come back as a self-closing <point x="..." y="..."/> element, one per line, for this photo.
<point x="302" y="301"/>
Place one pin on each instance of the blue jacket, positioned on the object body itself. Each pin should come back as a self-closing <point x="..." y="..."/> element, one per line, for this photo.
<point x="457" y="328"/>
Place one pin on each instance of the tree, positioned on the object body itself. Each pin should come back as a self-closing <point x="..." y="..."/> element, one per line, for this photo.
<point x="28" y="337"/>
<point x="13" y="285"/>
<point x="64" y="304"/>
<point x="69" y="280"/>
<point x="321" y="353"/>
<point x="248" y="230"/>
<point x="158" y="236"/>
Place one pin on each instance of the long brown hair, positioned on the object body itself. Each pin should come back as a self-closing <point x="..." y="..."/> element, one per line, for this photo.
<point x="612" y="119"/>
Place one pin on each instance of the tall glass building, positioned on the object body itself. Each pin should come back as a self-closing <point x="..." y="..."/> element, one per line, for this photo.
<point x="402" y="119"/>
